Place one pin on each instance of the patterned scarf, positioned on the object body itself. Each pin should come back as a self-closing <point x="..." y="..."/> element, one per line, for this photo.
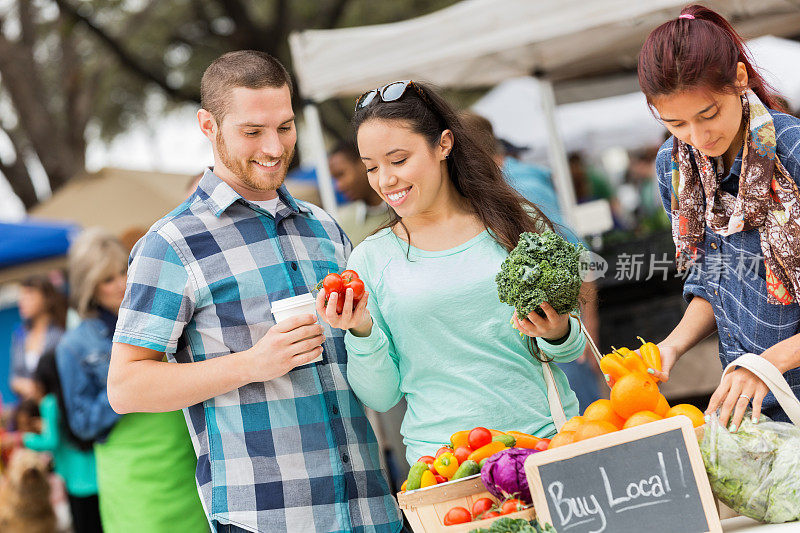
<point x="768" y="199"/>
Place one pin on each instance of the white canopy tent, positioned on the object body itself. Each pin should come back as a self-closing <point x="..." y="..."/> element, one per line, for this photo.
<point x="588" y="126"/>
<point x="625" y="120"/>
<point x="479" y="43"/>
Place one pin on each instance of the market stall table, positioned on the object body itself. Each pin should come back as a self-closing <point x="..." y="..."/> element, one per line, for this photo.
<point x="742" y="524"/>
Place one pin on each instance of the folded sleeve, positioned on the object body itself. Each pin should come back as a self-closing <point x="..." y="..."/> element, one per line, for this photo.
<point x="160" y="298"/>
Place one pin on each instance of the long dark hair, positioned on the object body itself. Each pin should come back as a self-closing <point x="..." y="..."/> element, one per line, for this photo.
<point x="473" y="172"/>
<point x="55" y="301"/>
<point x="700" y="50"/>
<point x="47" y="375"/>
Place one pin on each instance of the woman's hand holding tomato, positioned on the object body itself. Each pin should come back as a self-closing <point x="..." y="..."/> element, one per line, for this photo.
<point x="342" y="303"/>
<point x="553" y="326"/>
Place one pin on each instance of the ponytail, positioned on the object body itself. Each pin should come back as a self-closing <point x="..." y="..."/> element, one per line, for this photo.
<point x="699" y="49"/>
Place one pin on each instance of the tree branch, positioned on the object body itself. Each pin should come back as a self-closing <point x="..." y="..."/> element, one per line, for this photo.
<point x="17" y="175"/>
<point x="126" y="58"/>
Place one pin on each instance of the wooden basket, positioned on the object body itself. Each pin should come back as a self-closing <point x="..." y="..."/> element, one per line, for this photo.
<point x="426" y="508"/>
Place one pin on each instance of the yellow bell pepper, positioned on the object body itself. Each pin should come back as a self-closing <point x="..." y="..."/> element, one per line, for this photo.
<point x="428" y="480"/>
<point x="459" y="439"/>
<point x="651" y="355"/>
<point x="612" y="364"/>
<point x="622" y="351"/>
<point x="634" y="363"/>
<point x="446" y="464"/>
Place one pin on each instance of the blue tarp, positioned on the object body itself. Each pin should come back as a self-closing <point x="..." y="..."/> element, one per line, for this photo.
<point x="33" y="240"/>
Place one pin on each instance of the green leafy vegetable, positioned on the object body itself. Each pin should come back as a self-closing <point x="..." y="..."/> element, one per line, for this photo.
<point x="516" y="525"/>
<point x="543" y="267"/>
<point x="755" y="470"/>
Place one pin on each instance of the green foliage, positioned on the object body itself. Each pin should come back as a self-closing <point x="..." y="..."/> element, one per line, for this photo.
<point x="544" y="267"/>
<point x="516" y="525"/>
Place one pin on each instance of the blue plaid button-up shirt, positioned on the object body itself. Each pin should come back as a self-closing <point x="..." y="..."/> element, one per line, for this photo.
<point x="295" y="453"/>
<point x="731" y="274"/>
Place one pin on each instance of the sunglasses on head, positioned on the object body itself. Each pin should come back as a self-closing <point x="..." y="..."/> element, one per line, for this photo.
<point x="389" y="93"/>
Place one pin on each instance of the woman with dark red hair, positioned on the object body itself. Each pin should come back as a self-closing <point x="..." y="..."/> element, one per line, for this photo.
<point x="728" y="178"/>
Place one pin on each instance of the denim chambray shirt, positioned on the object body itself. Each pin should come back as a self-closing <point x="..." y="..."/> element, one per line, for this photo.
<point x="731" y="272"/>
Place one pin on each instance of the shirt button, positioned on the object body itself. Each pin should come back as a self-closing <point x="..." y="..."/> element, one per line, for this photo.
<point x="345" y="458"/>
<point x="714" y="245"/>
<point x="294" y="265"/>
<point x="335" y="410"/>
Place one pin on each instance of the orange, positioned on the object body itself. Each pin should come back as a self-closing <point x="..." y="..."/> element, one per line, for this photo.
<point x="634" y="392"/>
<point x="561" y="439"/>
<point x="662" y="407"/>
<point x="694" y="414"/>
<point x="642" y="417"/>
<point x="594" y="428"/>
<point x="602" y="410"/>
<point x="573" y="424"/>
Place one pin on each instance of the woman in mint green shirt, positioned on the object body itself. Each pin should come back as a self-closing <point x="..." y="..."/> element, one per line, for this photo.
<point x="73" y="459"/>
<point x="431" y="327"/>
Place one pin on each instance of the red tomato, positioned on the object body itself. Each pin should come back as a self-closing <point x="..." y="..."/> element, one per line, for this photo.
<point x="462" y="453"/>
<point x="511" y="506"/>
<point x="349" y="275"/>
<point x="490" y="514"/>
<point x="444" y="449"/>
<point x="332" y="283"/>
<point x="542" y="445"/>
<point x="358" y="289"/>
<point x="479" y="437"/>
<point x="457" y="515"/>
<point x="481" y="506"/>
<point x="428" y="459"/>
<point x="440" y="479"/>
<point x="340" y="304"/>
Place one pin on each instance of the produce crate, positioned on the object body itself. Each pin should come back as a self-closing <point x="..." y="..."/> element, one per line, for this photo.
<point x="425" y="508"/>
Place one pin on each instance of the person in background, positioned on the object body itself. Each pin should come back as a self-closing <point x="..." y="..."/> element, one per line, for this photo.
<point x="145" y="461"/>
<point x="589" y="183"/>
<point x="367" y="211"/>
<point x="638" y="196"/>
<point x="43" y="309"/>
<point x="534" y="184"/>
<point x="73" y="458"/>
<point x="25" y="416"/>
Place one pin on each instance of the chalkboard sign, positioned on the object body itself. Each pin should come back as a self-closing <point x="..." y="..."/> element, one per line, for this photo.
<point x="647" y="478"/>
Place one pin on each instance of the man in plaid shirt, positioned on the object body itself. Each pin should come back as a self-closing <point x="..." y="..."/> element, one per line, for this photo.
<point x="282" y="445"/>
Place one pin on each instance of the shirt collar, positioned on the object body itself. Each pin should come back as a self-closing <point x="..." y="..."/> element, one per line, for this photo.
<point x="219" y="196"/>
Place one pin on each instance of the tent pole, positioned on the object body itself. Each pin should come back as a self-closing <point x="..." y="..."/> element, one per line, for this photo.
<point x="557" y="153"/>
<point x="320" y="158"/>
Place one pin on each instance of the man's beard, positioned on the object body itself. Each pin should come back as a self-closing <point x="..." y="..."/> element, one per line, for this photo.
<point x="245" y="171"/>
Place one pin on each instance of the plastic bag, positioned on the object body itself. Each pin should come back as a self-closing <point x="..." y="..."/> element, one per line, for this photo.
<point x="755" y="471"/>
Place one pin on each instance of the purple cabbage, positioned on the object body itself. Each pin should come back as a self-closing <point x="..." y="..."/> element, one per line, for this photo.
<point x="504" y="474"/>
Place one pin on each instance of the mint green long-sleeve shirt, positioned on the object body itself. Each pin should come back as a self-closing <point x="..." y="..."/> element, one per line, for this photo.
<point x="442" y="338"/>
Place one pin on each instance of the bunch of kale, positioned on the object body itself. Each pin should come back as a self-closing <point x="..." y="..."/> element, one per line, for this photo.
<point x="543" y="267"/>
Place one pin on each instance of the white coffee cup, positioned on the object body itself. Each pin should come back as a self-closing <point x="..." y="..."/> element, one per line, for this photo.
<point x="303" y="304"/>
